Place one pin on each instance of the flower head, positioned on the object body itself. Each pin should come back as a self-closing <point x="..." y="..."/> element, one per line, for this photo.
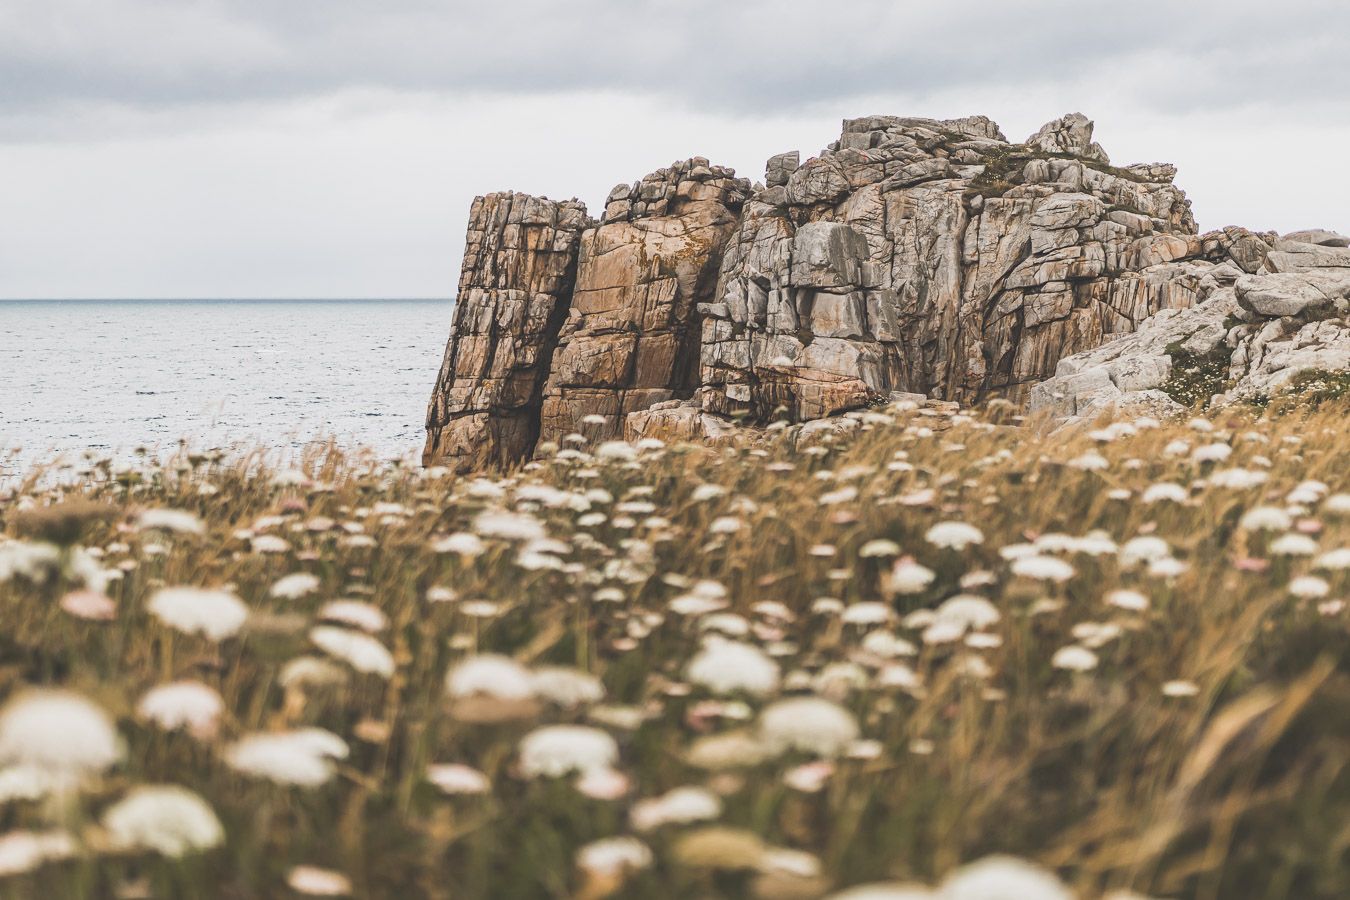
<point x="167" y="819"/>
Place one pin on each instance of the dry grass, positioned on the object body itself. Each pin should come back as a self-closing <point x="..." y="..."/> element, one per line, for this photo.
<point x="970" y="747"/>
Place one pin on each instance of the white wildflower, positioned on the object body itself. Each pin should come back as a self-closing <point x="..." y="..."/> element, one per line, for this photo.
<point x="313" y="881"/>
<point x="1266" y="518"/>
<point x="363" y="652"/>
<point x="680" y="806"/>
<point x="1216" y="452"/>
<point x="24" y="851"/>
<point x="909" y="577"/>
<point x="969" y="610"/>
<point x="1043" y="568"/>
<point x="461" y="542"/>
<point x="1074" y="658"/>
<point x="1309" y="587"/>
<point x="556" y="750"/>
<point x="190" y="705"/>
<point x="455" y="778"/>
<point x="614" y="856"/>
<point x="1180" y="689"/>
<point x="1164" y="491"/>
<point x="355" y="613"/>
<point x="269" y="543"/>
<point x="954" y="535"/>
<point x="879" y="547"/>
<point x="295" y="586"/>
<point x="490" y="675"/>
<point x="1132" y="601"/>
<point x="1003" y="878"/>
<point x="867" y="612"/>
<point x="1293" y="544"/>
<point x="167" y="819"/>
<point x="727" y="667"/>
<point x="1333" y="560"/>
<point x="566" y="687"/>
<point x="508" y="526"/>
<point x="177" y="520"/>
<point x="302" y="757"/>
<point x="214" y="614"/>
<point x="1166" y="567"/>
<point x="1144" y="548"/>
<point x="58" y="732"/>
<point x="810" y="724"/>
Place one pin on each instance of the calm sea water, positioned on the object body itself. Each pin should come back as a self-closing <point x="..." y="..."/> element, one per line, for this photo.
<point x="114" y="375"/>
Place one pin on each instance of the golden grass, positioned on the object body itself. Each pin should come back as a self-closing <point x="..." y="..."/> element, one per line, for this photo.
<point x="1240" y="790"/>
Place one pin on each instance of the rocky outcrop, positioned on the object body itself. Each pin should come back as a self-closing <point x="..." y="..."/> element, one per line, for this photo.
<point x="936" y="257"/>
<point x="631" y="339"/>
<point x="913" y="255"/>
<point x="515" y="290"/>
<point x="1247" y="339"/>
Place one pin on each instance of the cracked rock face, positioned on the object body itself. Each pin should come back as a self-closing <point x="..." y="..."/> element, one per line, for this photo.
<point x="514" y="292"/>
<point x="911" y="255"/>
<point x="1261" y="331"/>
<point x="631" y="339"/>
<point x="936" y="257"/>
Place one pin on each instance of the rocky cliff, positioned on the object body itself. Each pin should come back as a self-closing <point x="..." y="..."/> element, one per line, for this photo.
<point x="1249" y="338"/>
<point x="914" y="255"/>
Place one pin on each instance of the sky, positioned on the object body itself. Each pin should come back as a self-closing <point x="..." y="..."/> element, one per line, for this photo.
<point x="331" y="148"/>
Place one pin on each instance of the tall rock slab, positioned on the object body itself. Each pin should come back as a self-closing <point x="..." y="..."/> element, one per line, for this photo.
<point x="631" y="340"/>
<point x="515" y="288"/>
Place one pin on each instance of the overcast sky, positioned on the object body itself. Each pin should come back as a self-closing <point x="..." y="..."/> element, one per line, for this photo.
<point x="331" y="148"/>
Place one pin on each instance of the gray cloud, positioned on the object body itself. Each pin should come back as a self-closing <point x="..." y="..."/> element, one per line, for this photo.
<point x="748" y="57"/>
<point x="332" y="147"/>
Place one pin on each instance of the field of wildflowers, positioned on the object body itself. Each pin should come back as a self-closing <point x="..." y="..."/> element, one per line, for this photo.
<point x="911" y="653"/>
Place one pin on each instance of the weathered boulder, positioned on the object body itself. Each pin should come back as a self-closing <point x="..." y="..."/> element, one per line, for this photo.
<point x="1319" y="236"/>
<point x="1071" y="134"/>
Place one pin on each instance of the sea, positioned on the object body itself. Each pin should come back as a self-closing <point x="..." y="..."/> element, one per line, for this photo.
<point x="118" y="377"/>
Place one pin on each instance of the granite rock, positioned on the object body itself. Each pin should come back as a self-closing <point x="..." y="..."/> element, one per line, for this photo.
<point x="1259" y="331"/>
<point x="515" y="289"/>
<point x="920" y="256"/>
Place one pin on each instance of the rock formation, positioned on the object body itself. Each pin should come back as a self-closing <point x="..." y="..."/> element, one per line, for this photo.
<point x="515" y="291"/>
<point x="1247" y="338"/>
<point x="643" y="273"/>
<point x="912" y="255"/>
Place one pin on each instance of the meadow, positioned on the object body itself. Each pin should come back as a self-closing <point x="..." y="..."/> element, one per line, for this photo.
<point x="914" y="652"/>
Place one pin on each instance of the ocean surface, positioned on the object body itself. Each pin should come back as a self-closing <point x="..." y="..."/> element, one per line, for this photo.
<point x="114" y="375"/>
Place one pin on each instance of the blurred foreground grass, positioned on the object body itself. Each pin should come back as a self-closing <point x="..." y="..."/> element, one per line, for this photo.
<point x="1120" y="655"/>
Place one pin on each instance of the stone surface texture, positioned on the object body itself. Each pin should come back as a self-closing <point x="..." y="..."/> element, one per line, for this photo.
<point x="911" y="255"/>
<point x="515" y="290"/>
<point x="1261" y="329"/>
<point x="644" y="274"/>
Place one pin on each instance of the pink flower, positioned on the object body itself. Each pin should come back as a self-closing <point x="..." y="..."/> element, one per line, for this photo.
<point x="810" y="777"/>
<point x="603" y="784"/>
<point x="92" y="605"/>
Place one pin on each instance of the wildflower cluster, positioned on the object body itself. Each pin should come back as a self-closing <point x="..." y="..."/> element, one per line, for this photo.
<point x="912" y="652"/>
